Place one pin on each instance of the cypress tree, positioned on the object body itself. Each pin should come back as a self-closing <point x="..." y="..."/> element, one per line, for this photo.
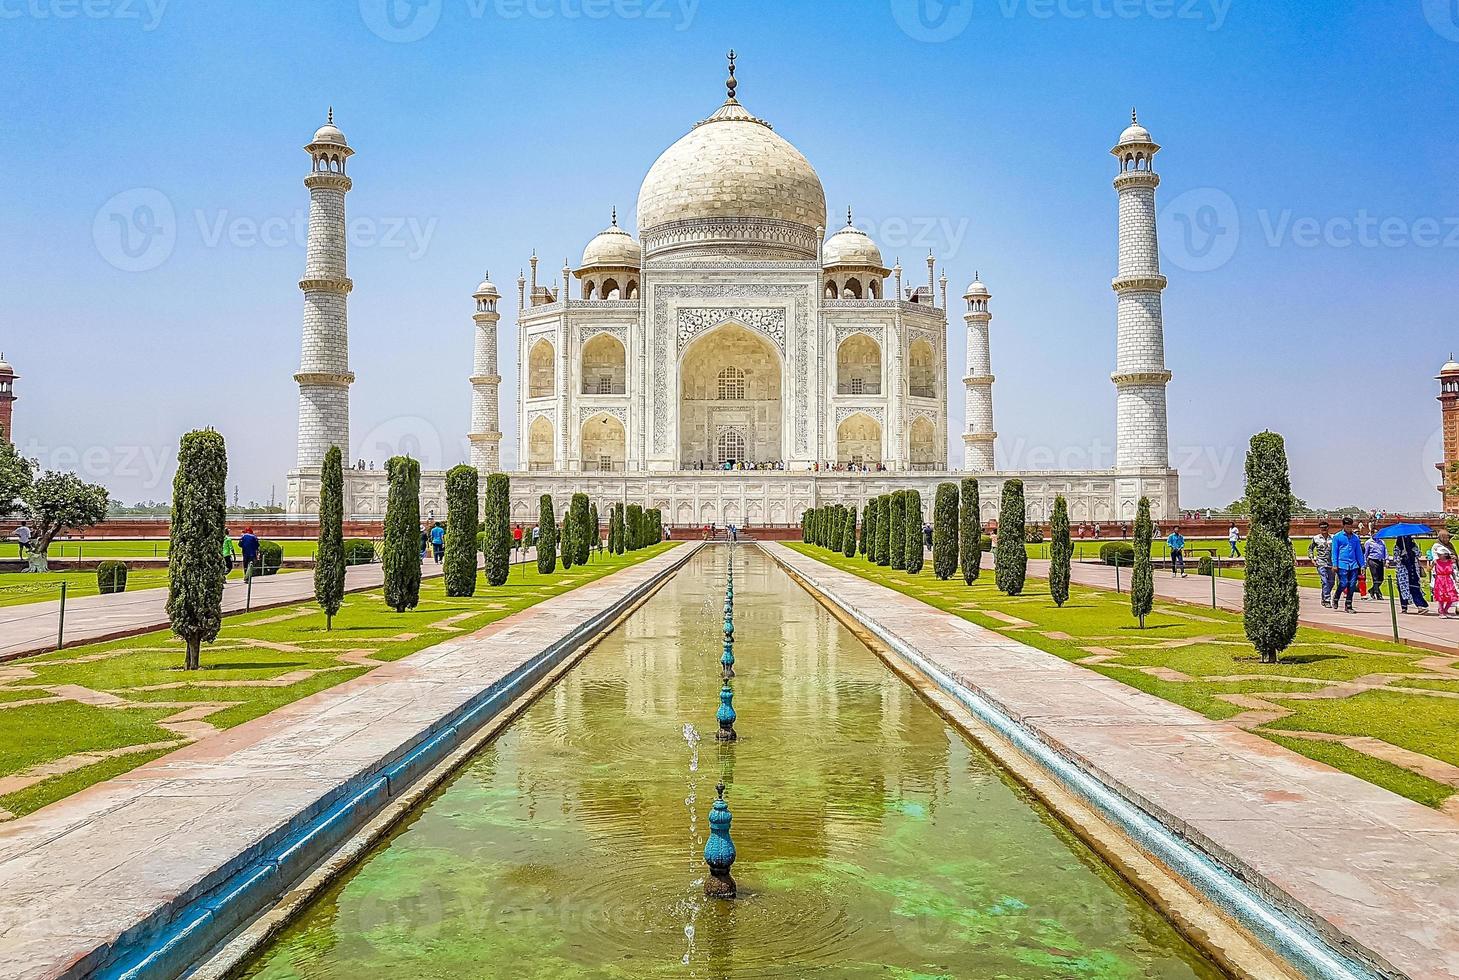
<point x="848" y="539"/>
<point x="618" y="522"/>
<point x="805" y="526"/>
<point x="658" y="526"/>
<point x="884" y="530"/>
<point x="944" y="531"/>
<point x="1270" y="613"/>
<point x="866" y="529"/>
<point x="1142" y="580"/>
<point x="566" y="550"/>
<point x="970" y="530"/>
<point x="329" y="557"/>
<point x="581" y="533"/>
<point x="546" y="536"/>
<point x="196" y="569"/>
<point x="400" y="561"/>
<point x="914" y="551"/>
<point x="1061" y="551"/>
<point x="897" y="526"/>
<point x="595" y="540"/>
<point x="498" y="529"/>
<point x="1010" y="559"/>
<point x="463" y="522"/>
<point x="634" y="524"/>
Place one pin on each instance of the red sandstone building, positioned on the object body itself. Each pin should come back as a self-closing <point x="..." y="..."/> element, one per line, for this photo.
<point x="7" y="397"/>
<point x="1449" y="468"/>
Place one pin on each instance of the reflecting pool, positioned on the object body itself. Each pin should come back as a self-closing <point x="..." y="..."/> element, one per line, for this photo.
<point x="874" y="840"/>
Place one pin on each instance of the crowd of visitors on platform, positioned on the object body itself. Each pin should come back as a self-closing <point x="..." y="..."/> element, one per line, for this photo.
<point x="1352" y="564"/>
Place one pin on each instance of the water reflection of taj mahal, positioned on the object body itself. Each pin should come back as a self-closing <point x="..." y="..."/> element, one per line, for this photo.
<point x="735" y="365"/>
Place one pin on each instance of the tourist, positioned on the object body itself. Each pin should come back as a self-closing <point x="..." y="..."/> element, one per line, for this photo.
<point x="1176" y="544"/>
<point x="228" y="550"/>
<point x="926" y="537"/>
<point x="248" y="547"/>
<point x="517" y="536"/>
<point x="1407" y="574"/>
<point x="22" y="537"/>
<point x="1233" y="536"/>
<point x="438" y="541"/>
<point x="1443" y="546"/>
<point x="1377" y="554"/>
<point x="425" y="542"/>
<point x="1349" y="561"/>
<point x="1445" y="594"/>
<point x="1319" y="552"/>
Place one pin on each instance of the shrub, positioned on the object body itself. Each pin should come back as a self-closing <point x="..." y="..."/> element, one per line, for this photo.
<point x="1270" y="591"/>
<point x="595" y="541"/>
<point x="329" y="559"/>
<point x="111" y="577"/>
<point x="1061" y="552"/>
<point x="1206" y="566"/>
<point x="913" y="552"/>
<point x="1142" y="582"/>
<point x="944" y="531"/>
<point x="1034" y="535"/>
<point x="1010" y="560"/>
<point x="634" y="523"/>
<point x="462" y="523"/>
<point x="401" y="558"/>
<point x="546" y="536"/>
<point x="1120" y="553"/>
<point x="868" y="528"/>
<point x="884" y="530"/>
<point x="618" y="528"/>
<point x="498" y="529"/>
<point x="359" y="551"/>
<point x="848" y="540"/>
<point x="971" y="543"/>
<point x="270" y="557"/>
<point x="897" y="526"/>
<point x="196" y="568"/>
<point x="582" y="534"/>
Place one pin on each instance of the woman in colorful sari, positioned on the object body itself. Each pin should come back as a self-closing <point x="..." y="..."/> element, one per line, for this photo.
<point x="1410" y="579"/>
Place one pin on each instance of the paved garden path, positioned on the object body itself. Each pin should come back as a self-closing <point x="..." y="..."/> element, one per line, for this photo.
<point x="34" y="627"/>
<point x="1381" y="871"/>
<point x="84" y="871"/>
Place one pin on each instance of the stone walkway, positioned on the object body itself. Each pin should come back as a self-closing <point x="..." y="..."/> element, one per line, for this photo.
<point x="1380" y="871"/>
<point x="81" y="872"/>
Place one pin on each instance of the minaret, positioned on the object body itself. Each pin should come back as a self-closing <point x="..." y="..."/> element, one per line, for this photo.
<point x="486" y="436"/>
<point x="7" y="398"/>
<point x="1449" y="405"/>
<point x="978" y="436"/>
<point x="324" y="364"/>
<point x="1140" y="377"/>
<point x="931" y="279"/>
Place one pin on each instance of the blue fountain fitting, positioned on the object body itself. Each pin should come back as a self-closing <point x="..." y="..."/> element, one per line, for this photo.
<point x="729" y="627"/>
<point x="719" y="850"/>
<point x="726" y="714"/>
<point x="727" y="661"/>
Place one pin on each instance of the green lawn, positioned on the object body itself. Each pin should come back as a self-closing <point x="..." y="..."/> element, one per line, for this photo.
<point x="266" y="659"/>
<point x="138" y="548"/>
<point x="17" y="588"/>
<point x="1209" y="650"/>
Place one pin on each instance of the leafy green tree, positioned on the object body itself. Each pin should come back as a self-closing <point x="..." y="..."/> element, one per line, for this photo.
<point x="970" y="530"/>
<point x="582" y="532"/>
<point x="1142" y="579"/>
<point x="1061" y="552"/>
<point x="15" y="476"/>
<point x="634" y="523"/>
<point x="944" y="531"/>
<point x="196" y="569"/>
<point x="897" y="524"/>
<point x="463" y="523"/>
<point x="400" y="559"/>
<point x="1270" y="607"/>
<point x="57" y="501"/>
<point x="848" y="537"/>
<point x="498" y="527"/>
<point x="546" y="536"/>
<point x="329" y="556"/>
<point x="913" y="552"/>
<point x="1010" y="558"/>
<point x="884" y="530"/>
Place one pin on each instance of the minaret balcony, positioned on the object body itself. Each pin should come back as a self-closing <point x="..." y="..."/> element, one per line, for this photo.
<point x="1137" y="178"/>
<point x="1142" y="283"/>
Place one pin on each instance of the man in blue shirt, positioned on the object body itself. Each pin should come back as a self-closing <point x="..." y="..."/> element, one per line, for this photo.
<point x="1176" y="543"/>
<point x="438" y="542"/>
<point x="248" y="545"/>
<point x="1349" y="560"/>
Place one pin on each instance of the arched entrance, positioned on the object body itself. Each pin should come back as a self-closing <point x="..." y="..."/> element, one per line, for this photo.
<point x="858" y="366"/>
<point x="541" y="370"/>
<point x="921" y="370"/>
<point x="858" y="441"/>
<point x="730" y="399"/>
<point x="924" y="444"/>
<point x="604" y="366"/>
<point x="540" y="454"/>
<point x="605" y="444"/>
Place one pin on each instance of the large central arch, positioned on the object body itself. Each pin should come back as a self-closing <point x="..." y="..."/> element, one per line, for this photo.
<point x="730" y="399"/>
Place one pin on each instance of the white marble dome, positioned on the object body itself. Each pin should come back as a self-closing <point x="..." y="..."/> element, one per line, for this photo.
<point x="613" y="247"/>
<point x="851" y="246"/>
<point x="1450" y="368"/>
<point x="732" y="166"/>
<point x="1135" y="133"/>
<point x="487" y="288"/>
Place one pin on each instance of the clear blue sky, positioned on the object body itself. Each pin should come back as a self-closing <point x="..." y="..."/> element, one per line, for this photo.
<point x="1310" y="157"/>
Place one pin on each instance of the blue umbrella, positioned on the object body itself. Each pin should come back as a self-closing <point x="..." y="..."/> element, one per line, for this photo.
<point x="1404" y="531"/>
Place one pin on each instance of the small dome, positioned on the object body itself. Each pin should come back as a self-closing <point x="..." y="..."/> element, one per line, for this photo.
<point x="486" y="288"/>
<point x="5" y="367"/>
<point x="329" y="133"/>
<point x="1451" y="368"/>
<point x="1135" y="133"/>
<point x="613" y="247"/>
<point x="851" y="246"/>
<point x="976" y="289"/>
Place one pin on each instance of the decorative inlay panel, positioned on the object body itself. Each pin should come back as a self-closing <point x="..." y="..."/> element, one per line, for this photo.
<point x="768" y="321"/>
<point x="587" y="332"/>
<point x="589" y="411"/>
<point x="844" y="412"/>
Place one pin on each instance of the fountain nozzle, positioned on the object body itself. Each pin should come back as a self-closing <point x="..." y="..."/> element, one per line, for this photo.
<point x="719" y="850"/>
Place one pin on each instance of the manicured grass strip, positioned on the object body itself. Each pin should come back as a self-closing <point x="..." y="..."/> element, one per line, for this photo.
<point x="33" y="798"/>
<point x="19" y="588"/>
<point x="1206" y="648"/>
<point x="261" y="661"/>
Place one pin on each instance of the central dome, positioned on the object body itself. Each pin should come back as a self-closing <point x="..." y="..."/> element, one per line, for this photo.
<point x="734" y="188"/>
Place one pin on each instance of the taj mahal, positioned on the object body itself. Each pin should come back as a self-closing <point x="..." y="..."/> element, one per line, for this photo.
<point x="732" y="364"/>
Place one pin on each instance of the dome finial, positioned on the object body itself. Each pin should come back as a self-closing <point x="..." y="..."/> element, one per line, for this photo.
<point x="848" y="216"/>
<point x="730" y="83"/>
<point x="615" y="216"/>
<point x="331" y="115"/>
<point x="1134" y="117"/>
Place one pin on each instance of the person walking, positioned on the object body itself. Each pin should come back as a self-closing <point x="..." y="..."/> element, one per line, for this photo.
<point x="1234" y="536"/>
<point x="228" y="550"/>
<point x="425" y="542"/>
<point x="1319" y="552"/>
<point x="1446" y="596"/>
<point x="1377" y="554"/>
<point x="1408" y="575"/>
<point x="438" y="541"/>
<point x="248" y="547"/>
<point x="22" y="537"/>
<point x="1349" y="561"/>
<point x="926" y="537"/>
<point x="1176" y="544"/>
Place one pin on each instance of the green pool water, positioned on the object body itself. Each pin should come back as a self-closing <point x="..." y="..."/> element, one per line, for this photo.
<point x="874" y="840"/>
